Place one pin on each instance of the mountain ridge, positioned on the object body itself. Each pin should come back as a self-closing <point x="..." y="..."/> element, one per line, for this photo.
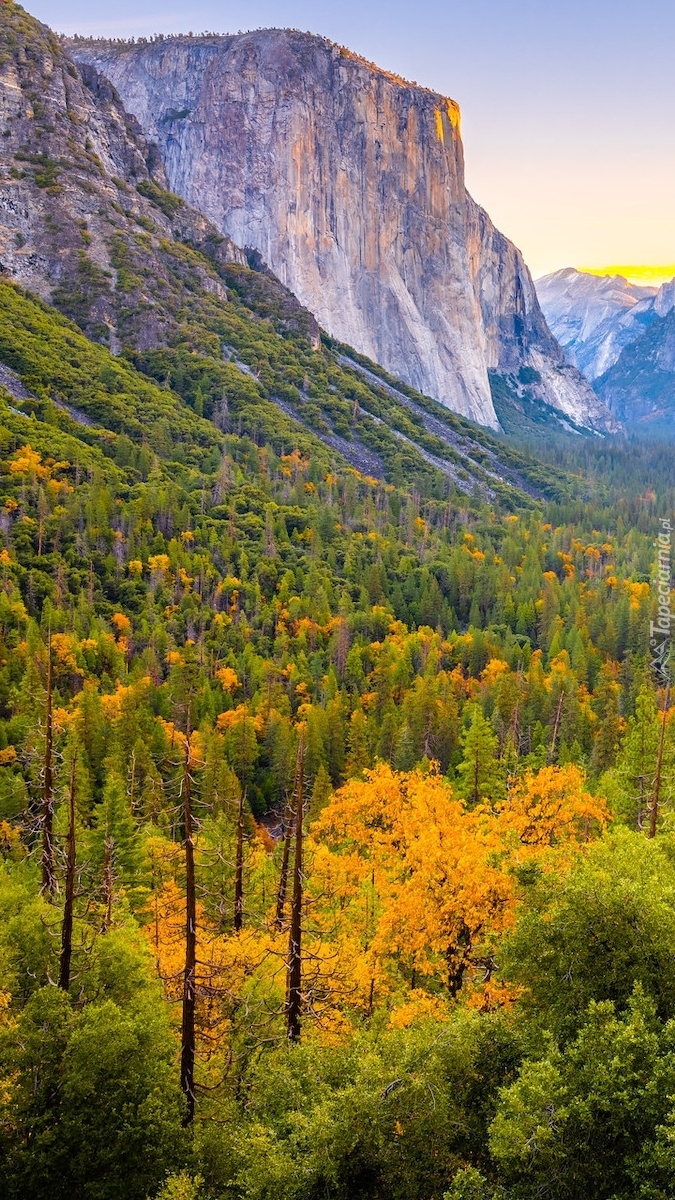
<point x="87" y="224"/>
<point x="593" y="316"/>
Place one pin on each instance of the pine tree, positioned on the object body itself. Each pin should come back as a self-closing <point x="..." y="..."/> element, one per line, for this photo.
<point x="358" y="754"/>
<point x="114" y="847"/>
<point x="636" y="766"/>
<point x="321" y="793"/>
<point x="481" y="776"/>
<point x="69" y="899"/>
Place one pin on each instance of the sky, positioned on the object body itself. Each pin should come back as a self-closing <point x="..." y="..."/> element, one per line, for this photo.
<point x="568" y="108"/>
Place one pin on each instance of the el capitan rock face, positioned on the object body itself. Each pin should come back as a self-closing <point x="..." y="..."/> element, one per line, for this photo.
<point x="350" y="184"/>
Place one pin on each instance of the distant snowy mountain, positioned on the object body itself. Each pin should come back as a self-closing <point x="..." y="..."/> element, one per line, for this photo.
<point x="623" y="339"/>
<point x="595" y="316"/>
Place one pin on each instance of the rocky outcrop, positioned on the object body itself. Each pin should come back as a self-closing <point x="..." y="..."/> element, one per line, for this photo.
<point x="350" y="184"/>
<point x="518" y="342"/>
<point x="639" y="387"/>
<point x="86" y="221"/>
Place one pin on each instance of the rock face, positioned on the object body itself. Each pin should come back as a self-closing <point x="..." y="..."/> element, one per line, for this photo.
<point x="350" y="184"/>
<point x="640" y="386"/>
<point x="595" y="316"/>
<point x="74" y="226"/>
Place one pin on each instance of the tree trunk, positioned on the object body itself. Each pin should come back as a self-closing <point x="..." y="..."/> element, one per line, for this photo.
<point x="239" y="870"/>
<point x="132" y="783"/>
<point x="67" y="925"/>
<point x="656" y="795"/>
<point x="187" y="1056"/>
<point x="48" y="878"/>
<point x="556" y="726"/>
<point x="457" y="958"/>
<point x="294" y="990"/>
<point x="108" y="879"/>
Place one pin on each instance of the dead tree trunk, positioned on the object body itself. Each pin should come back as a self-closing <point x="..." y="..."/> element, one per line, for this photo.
<point x="656" y="794"/>
<point x="48" y="877"/>
<point x="294" y="989"/>
<point x="556" y="727"/>
<point x="67" y="925"/>
<point x="187" y="1056"/>
<point x="108" y="879"/>
<point x="239" y="870"/>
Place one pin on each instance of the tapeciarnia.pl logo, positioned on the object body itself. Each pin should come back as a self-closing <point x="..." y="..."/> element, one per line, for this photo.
<point x="660" y="636"/>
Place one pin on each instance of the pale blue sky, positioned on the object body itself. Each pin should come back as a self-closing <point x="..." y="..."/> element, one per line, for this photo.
<point x="568" y="109"/>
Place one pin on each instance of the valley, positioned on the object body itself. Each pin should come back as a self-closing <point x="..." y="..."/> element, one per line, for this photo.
<point x="336" y="774"/>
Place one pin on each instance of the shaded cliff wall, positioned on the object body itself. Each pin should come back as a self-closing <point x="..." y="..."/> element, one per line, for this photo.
<point x="71" y="216"/>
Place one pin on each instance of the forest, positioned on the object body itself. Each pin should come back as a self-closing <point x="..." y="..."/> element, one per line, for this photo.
<point x="337" y="838"/>
<point x="332" y="858"/>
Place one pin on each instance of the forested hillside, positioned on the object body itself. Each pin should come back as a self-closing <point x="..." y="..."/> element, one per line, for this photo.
<point x="196" y="615"/>
<point x="336" y="826"/>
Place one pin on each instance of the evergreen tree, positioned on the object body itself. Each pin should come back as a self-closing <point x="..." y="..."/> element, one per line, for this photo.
<point x="480" y="773"/>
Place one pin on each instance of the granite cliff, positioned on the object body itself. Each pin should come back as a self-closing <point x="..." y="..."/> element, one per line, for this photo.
<point x="88" y="226"/>
<point x="349" y="182"/>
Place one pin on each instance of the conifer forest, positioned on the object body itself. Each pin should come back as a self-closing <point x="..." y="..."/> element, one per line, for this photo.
<point x="337" y="783"/>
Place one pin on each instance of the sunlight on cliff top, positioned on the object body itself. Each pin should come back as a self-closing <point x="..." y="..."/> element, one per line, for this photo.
<point x="453" y="115"/>
<point x="654" y="275"/>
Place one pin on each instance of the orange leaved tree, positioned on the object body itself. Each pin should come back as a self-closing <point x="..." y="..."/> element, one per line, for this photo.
<point x="426" y="886"/>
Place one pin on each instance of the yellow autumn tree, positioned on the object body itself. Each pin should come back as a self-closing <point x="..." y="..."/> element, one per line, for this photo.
<point x="426" y="887"/>
<point x="547" y="809"/>
<point x="418" y="873"/>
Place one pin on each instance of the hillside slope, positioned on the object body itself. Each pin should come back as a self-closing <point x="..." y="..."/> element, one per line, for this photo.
<point x="640" y="386"/>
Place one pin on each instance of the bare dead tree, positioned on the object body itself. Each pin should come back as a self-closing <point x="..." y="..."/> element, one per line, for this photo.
<point x="239" y="869"/>
<point x="48" y="876"/>
<point x="294" y="976"/>
<point x="656" y="794"/>
<point x="283" y="877"/>
<point x="67" y="923"/>
<point x="556" y="726"/>
<point x="108" y="879"/>
<point x="187" y="1056"/>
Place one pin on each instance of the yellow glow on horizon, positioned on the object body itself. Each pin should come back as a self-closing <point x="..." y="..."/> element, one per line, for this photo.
<point x="647" y="276"/>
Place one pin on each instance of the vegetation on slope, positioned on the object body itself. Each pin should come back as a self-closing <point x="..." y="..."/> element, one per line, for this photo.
<point x="385" y="741"/>
<point x="240" y="598"/>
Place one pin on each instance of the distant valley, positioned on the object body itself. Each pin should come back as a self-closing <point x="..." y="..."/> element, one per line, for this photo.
<point x="621" y="336"/>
